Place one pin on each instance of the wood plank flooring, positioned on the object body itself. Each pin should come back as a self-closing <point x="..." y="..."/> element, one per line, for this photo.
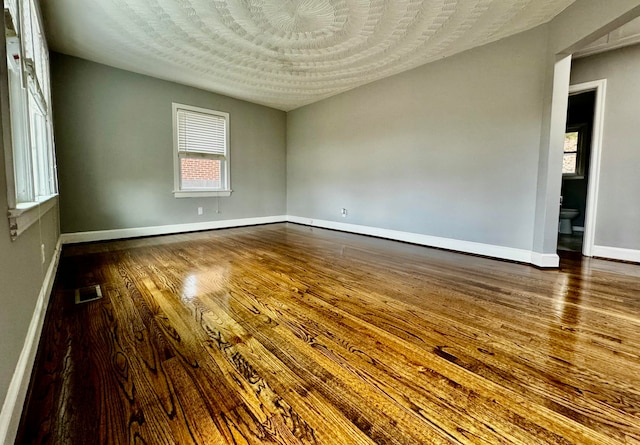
<point x="284" y="334"/>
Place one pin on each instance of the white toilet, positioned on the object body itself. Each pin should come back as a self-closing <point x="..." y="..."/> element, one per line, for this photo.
<point x="566" y="216"/>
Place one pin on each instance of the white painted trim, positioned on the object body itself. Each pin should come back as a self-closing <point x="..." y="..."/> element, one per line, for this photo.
<point x="102" y="235"/>
<point x="17" y="391"/>
<point x="549" y="185"/>
<point x="490" y="250"/>
<point x="27" y="214"/>
<point x="593" y="186"/>
<point x="617" y="253"/>
<point x="201" y="194"/>
<point x="545" y="260"/>
<point x="577" y="228"/>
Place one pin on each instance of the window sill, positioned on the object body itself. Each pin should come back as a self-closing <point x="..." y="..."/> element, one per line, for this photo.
<point x="201" y="194"/>
<point x="27" y="213"/>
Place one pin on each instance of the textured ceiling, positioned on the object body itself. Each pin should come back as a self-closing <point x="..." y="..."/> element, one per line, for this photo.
<point x="282" y="53"/>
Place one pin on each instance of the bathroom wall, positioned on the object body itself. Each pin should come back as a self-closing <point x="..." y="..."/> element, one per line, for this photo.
<point x="574" y="190"/>
<point x="618" y="212"/>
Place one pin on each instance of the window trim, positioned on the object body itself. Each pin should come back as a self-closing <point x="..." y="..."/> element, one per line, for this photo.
<point x="22" y="214"/>
<point x="177" y="191"/>
<point x="28" y="213"/>
<point x="580" y="158"/>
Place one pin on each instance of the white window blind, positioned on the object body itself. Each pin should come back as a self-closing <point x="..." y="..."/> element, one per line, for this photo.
<point x="201" y="147"/>
<point x="202" y="133"/>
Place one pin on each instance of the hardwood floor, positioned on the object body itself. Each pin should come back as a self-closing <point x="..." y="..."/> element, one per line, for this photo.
<point x="286" y="334"/>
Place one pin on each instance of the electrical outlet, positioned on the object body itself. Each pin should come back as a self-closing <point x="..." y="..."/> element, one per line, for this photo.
<point x="200" y="211"/>
<point x="343" y="212"/>
<point x="43" y="256"/>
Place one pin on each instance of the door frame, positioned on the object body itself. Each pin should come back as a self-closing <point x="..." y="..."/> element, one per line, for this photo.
<point x="593" y="186"/>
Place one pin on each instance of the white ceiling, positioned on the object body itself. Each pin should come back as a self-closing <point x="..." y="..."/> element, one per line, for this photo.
<point x="282" y="53"/>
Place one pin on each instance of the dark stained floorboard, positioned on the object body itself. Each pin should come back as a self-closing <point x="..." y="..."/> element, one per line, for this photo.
<point x="284" y="334"/>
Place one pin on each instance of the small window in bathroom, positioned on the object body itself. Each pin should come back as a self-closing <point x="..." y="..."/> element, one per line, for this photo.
<point x="572" y="159"/>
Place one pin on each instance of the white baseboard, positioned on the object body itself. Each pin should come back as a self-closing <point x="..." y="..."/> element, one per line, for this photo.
<point x="102" y="235"/>
<point x="616" y="253"/>
<point x="17" y="391"/>
<point x="545" y="260"/>
<point x="577" y="229"/>
<point x="490" y="250"/>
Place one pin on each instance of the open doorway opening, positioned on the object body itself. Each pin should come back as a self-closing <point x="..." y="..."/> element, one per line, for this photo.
<point x="581" y="167"/>
<point x="575" y="170"/>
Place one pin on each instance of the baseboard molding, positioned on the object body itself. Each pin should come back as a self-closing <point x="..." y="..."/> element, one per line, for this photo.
<point x="616" y="253"/>
<point x="17" y="391"/>
<point x="545" y="260"/>
<point x="578" y="229"/>
<point x="103" y="235"/>
<point x="489" y="250"/>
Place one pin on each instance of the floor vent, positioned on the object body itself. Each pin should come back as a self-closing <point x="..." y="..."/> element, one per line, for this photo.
<point x="87" y="294"/>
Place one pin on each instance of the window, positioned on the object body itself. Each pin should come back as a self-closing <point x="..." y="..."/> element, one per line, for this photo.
<point x="201" y="152"/>
<point x="573" y="159"/>
<point x="30" y="158"/>
<point x="570" y="157"/>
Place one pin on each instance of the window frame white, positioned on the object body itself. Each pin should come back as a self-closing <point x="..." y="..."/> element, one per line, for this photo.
<point x="30" y="164"/>
<point x="225" y="169"/>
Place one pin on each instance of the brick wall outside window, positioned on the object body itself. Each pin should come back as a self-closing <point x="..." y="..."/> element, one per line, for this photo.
<point x="200" y="173"/>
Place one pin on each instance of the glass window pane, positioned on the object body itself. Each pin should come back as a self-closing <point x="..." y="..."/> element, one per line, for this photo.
<point x="569" y="163"/>
<point x="32" y="138"/>
<point x="199" y="173"/>
<point x="23" y="174"/>
<point x="571" y="142"/>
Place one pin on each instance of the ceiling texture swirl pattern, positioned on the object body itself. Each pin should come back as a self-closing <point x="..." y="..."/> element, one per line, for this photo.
<point x="282" y="53"/>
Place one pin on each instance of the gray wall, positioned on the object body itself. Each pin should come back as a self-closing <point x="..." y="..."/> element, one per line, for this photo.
<point x="21" y="269"/>
<point x="618" y="212"/>
<point x="449" y="149"/>
<point x="113" y="132"/>
<point x="21" y="277"/>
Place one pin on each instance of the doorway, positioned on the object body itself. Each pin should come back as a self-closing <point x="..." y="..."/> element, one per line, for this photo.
<point x="581" y="167"/>
<point x="575" y="170"/>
